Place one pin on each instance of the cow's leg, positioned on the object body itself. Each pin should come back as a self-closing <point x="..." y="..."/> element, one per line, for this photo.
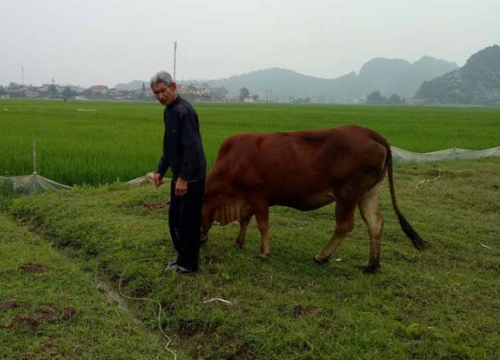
<point x="370" y="212"/>
<point x="240" y="240"/>
<point x="262" y="217"/>
<point x="344" y="217"/>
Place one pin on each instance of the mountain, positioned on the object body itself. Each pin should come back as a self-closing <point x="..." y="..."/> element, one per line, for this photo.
<point x="476" y="83"/>
<point x="132" y="85"/>
<point x="281" y="82"/>
<point x="394" y="76"/>
<point x="383" y="75"/>
<point x="389" y="76"/>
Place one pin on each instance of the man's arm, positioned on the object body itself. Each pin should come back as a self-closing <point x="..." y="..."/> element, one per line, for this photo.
<point x="191" y="144"/>
<point x="164" y="163"/>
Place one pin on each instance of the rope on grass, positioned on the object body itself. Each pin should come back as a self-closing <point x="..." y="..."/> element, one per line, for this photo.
<point x="227" y="302"/>
<point x="160" y="310"/>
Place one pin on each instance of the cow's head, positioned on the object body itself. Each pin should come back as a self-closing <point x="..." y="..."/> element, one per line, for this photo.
<point x="207" y="220"/>
<point x="215" y="191"/>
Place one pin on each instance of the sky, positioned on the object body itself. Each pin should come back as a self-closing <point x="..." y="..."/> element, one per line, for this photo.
<point x="105" y="42"/>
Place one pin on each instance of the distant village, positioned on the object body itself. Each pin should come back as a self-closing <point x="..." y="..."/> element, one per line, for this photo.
<point x="102" y="92"/>
<point x="195" y="92"/>
<point x="192" y="92"/>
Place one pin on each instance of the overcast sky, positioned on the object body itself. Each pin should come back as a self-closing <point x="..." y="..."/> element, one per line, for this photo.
<point x="91" y="42"/>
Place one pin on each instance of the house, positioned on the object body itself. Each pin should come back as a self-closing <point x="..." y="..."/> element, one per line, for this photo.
<point x="102" y="89"/>
<point x="32" y="93"/>
<point x="193" y="90"/>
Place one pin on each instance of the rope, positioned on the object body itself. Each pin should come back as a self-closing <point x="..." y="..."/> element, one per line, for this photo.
<point x="147" y="299"/>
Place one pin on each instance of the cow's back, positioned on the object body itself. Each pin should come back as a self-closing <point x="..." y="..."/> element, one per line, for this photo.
<point x="297" y="169"/>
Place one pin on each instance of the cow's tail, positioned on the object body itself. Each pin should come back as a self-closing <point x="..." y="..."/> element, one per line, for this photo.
<point x="417" y="241"/>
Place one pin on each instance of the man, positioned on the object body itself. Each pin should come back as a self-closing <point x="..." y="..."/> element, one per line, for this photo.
<point x="183" y="153"/>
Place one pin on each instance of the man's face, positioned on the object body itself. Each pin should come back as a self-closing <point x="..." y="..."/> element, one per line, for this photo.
<point x="165" y="94"/>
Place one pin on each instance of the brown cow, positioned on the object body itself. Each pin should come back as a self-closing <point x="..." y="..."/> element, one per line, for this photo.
<point x="304" y="170"/>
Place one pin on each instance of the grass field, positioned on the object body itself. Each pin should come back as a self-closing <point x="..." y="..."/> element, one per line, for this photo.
<point x="442" y="303"/>
<point x="99" y="142"/>
<point x="438" y="304"/>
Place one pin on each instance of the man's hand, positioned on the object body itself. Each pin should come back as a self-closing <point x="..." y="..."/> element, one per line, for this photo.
<point x="181" y="187"/>
<point x="157" y="180"/>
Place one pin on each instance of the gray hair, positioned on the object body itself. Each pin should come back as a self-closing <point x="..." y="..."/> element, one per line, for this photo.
<point x="161" y="77"/>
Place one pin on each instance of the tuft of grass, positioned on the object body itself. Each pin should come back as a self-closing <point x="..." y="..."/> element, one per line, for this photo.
<point x="437" y="304"/>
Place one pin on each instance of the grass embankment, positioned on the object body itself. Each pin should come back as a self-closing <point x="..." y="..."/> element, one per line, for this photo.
<point x="51" y="309"/>
<point x="442" y="303"/>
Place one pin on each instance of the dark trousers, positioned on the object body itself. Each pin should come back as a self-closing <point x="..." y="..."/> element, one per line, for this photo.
<point x="184" y="220"/>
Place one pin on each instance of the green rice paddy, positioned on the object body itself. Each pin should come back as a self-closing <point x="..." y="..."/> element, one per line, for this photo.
<point x="95" y="143"/>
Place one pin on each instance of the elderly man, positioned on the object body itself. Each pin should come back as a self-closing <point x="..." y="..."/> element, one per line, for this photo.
<point x="183" y="153"/>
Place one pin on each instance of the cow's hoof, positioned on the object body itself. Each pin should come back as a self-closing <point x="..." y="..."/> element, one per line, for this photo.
<point x="321" y="260"/>
<point x="264" y="256"/>
<point x="239" y="245"/>
<point x="370" y="269"/>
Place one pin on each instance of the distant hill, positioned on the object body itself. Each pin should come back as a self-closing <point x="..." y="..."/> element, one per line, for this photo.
<point x="395" y="76"/>
<point x="281" y="82"/>
<point x="132" y="85"/>
<point x="389" y="76"/>
<point x="476" y="83"/>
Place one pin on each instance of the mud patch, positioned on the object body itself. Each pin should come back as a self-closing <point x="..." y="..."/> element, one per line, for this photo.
<point x="301" y="310"/>
<point x="155" y="206"/>
<point x="68" y="313"/>
<point x="33" y="268"/>
<point x="150" y="205"/>
<point x="42" y="314"/>
<point x="13" y="304"/>
<point x="33" y="321"/>
<point x="46" y="309"/>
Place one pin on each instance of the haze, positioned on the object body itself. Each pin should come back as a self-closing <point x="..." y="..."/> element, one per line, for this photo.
<point x="111" y="41"/>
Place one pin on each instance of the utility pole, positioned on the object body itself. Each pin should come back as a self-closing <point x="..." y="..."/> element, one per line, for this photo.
<point x="175" y="57"/>
<point x="34" y="156"/>
<point x="22" y="75"/>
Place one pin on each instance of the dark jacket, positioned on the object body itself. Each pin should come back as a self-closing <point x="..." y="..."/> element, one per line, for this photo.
<point x="182" y="145"/>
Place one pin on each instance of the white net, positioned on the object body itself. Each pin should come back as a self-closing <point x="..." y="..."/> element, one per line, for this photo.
<point x="401" y="156"/>
<point x="35" y="183"/>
